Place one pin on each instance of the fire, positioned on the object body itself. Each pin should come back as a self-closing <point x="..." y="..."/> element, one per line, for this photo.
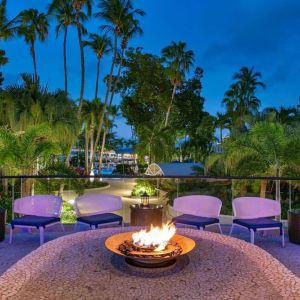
<point x="156" y="237"/>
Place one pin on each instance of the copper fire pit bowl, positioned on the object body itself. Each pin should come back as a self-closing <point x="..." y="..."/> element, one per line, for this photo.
<point x="151" y="259"/>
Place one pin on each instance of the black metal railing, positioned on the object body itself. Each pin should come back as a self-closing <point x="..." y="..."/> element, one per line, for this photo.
<point x="162" y="188"/>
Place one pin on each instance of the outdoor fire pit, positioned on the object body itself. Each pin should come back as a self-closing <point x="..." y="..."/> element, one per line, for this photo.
<point x="154" y="248"/>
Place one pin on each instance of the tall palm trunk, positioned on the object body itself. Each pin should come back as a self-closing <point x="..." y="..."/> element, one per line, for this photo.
<point x="170" y="105"/>
<point x="110" y="104"/>
<point x="86" y="150"/>
<point x="97" y="78"/>
<point x="32" y="51"/>
<point x="117" y="79"/>
<point x="82" y="67"/>
<point x="102" y="148"/>
<point x="65" y="59"/>
<point x="277" y="183"/>
<point x="91" y="141"/>
<point x="101" y="118"/>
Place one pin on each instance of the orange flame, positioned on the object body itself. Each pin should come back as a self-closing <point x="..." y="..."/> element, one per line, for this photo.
<point x="156" y="237"/>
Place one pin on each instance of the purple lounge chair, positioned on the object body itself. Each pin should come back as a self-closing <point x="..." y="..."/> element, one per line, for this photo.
<point x="39" y="211"/>
<point x="256" y="214"/>
<point x="96" y="209"/>
<point x="198" y="210"/>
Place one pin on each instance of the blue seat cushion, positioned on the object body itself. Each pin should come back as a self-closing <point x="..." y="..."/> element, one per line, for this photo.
<point x="258" y="223"/>
<point x="195" y="220"/>
<point x="95" y="220"/>
<point x="34" y="221"/>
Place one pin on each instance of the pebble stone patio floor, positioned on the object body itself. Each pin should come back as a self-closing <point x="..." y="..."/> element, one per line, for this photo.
<point x="78" y="266"/>
<point x="24" y="243"/>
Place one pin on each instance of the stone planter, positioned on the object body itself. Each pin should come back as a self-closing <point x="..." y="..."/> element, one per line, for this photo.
<point x="2" y="223"/>
<point x="294" y="226"/>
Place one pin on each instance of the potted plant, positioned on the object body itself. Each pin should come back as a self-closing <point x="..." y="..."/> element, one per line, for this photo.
<point x="294" y="226"/>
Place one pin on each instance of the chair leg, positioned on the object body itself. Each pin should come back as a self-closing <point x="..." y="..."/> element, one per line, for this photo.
<point x="252" y="236"/>
<point x="62" y="227"/>
<point x="10" y="235"/>
<point x="231" y="230"/>
<point x="282" y="238"/>
<point x="201" y="228"/>
<point x="220" y="229"/>
<point x="41" y="235"/>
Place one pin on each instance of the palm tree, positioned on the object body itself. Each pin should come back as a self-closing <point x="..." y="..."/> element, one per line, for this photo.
<point x="32" y="25"/>
<point x="21" y="152"/>
<point x="7" y="27"/>
<point x="240" y="99"/>
<point x="269" y="149"/>
<point x="3" y="61"/>
<point x="108" y="125"/>
<point x="81" y="16"/>
<point x="179" y="60"/>
<point x="101" y="45"/>
<point x="90" y="117"/>
<point x="130" y="28"/>
<point x="3" y="58"/>
<point x="222" y="122"/>
<point x="155" y="142"/>
<point x="64" y="14"/>
<point x="30" y="104"/>
<point x="116" y="13"/>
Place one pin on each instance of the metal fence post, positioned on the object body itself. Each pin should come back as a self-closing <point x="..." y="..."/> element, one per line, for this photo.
<point x="12" y="198"/>
<point x="177" y="186"/>
<point x="277" y="196"/>
<point x="21" y="187"/>
<point x="290" y="195"/>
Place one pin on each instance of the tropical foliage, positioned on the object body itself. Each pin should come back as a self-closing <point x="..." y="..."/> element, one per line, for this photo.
<point x="161" y="99"/>
<point x="145" y="88"/>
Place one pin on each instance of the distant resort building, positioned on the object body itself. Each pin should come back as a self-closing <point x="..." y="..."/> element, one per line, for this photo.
<point x="173" y="169"/>
<point x="126" y="154"/>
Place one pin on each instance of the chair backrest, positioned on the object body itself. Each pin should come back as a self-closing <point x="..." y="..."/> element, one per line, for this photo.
<point x="198" y="205"/>
<point x="92" y="204"/>
<point x="255" y="207"/>
<point x="39" y="205"/>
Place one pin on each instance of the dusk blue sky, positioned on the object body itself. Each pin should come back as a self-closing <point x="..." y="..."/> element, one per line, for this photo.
<point x="225" y="35"/>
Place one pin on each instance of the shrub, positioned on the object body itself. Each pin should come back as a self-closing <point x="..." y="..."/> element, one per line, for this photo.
<point x="68" y="214"/>
<point x="6" y="202"/>
<point x="142" y="186"/>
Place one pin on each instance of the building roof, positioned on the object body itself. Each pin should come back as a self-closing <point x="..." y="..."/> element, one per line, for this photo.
<point x="172" y="169"/>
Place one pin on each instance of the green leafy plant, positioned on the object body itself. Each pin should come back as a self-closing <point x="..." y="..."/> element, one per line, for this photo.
<point x="142" y="186"/>
<point x="6" y="202"/>
<point x="68" y="214"/>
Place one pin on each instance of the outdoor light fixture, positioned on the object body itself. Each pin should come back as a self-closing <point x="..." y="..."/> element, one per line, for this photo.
<point x="145" y="199"/>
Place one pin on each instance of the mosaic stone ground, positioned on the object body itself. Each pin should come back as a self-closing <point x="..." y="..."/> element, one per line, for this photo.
<point x="25" y="242"/>
<point x="78" y="266"/>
